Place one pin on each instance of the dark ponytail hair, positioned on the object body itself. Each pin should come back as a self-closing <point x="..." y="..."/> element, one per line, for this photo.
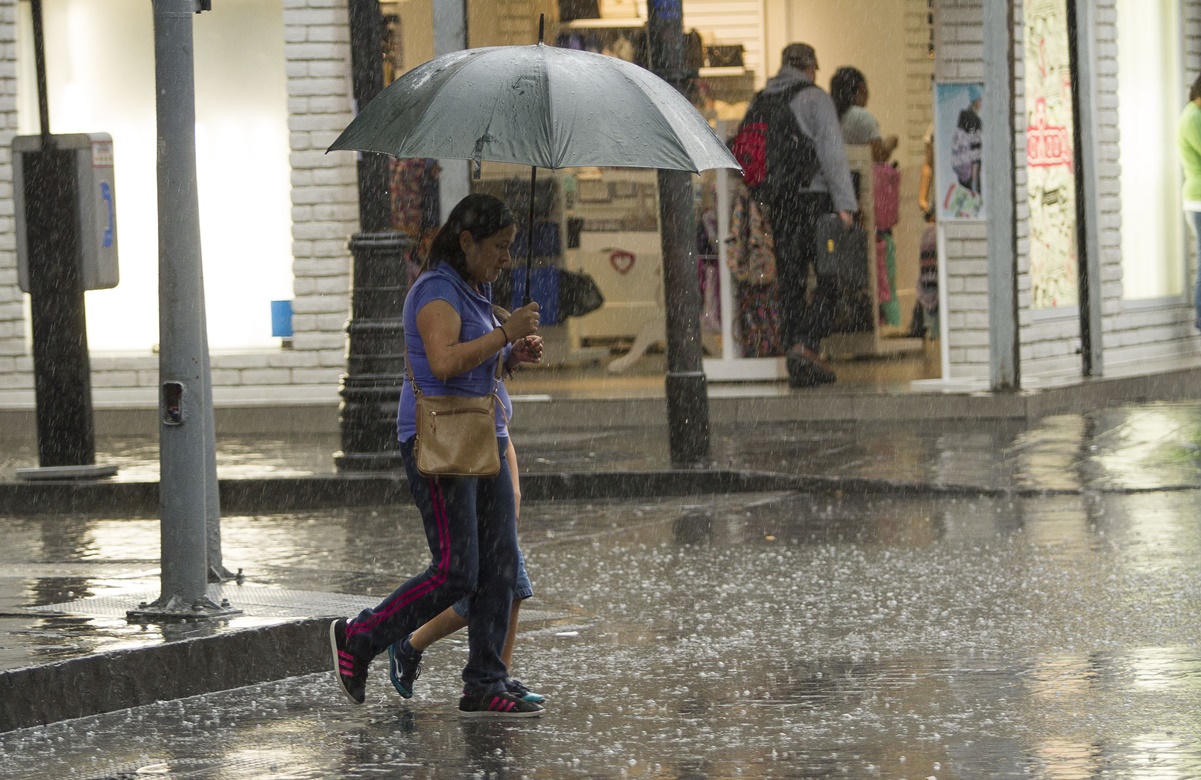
<point x="481" y="216"/>
<point x="845" y="86"/>
<point x="1195" y="92"/>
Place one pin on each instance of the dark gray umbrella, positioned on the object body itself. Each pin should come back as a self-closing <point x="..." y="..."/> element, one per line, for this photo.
<point x="541" y="106"/>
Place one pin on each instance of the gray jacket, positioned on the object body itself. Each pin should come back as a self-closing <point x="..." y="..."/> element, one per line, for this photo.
<point x="818" y="119"/>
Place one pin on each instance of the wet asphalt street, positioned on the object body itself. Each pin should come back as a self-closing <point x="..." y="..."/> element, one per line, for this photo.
<point x="1048" y="635"/>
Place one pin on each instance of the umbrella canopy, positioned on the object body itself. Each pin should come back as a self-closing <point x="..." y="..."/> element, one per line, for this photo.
<point x="537" y="105"/>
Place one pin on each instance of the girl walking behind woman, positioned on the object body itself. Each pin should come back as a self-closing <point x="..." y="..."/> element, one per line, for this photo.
<point x="404" y="657"/>
<point x="452" y="342"/>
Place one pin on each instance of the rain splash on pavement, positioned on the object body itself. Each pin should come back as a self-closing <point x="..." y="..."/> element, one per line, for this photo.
<point x="1047" y="636"/>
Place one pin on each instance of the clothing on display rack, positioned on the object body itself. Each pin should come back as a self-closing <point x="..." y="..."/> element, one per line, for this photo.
<point x="925" y="311"/>
<point x="413" y="187"/>
<point x="752" y="260"/>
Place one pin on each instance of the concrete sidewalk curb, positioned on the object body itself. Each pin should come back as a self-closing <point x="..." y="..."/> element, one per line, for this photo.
<point x="121" y="679"/>
<point x="297" y="494"/>
<point x="291" y="494"/>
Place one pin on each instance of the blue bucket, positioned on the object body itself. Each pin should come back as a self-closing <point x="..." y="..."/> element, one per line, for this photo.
<point x="281" y="319"/>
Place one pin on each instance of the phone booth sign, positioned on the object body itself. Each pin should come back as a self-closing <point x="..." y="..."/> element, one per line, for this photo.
<point x="95" y="198"/>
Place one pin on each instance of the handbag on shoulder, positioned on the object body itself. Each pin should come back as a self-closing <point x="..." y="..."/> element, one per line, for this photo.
<point x="456" y="435"/>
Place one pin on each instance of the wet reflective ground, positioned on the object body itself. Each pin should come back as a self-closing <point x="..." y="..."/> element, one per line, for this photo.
<point x="1048" y="636"/>
<point x="1136" y="447"/>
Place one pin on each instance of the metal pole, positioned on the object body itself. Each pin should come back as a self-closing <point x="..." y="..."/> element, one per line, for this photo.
<point x="184" y="404"/>
<point x="450" y="34"/>
<point x="212" y="501"/>
<point x="367" y="80"/>
<point x="39" y="57"/>
<point x="1088" y="239"/>
<point x="58" y="319"/>
<point x="687" y="390"/>
<point x="375" y="360"/>
<point x="999" y="150"/>
<point x="529" y="236"/>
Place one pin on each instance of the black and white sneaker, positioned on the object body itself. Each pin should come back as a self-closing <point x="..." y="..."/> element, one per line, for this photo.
<point x="349" y="671"/>
<point x="497" y="705"/>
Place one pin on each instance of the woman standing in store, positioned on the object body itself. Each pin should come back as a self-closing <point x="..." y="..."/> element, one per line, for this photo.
<point x="452" y="342"/>
<point x="1188" y="138"/>
<point x="848" y="89"/>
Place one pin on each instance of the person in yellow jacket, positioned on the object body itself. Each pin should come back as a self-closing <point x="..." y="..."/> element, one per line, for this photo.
<point x="1188" y="138"/>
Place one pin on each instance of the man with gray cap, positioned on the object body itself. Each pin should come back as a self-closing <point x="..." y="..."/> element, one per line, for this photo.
<point x="806" y="316"/>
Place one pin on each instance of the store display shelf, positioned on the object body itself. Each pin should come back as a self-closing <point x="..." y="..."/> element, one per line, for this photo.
<point x="602" y="24"/>
<point x="729" y="70"/>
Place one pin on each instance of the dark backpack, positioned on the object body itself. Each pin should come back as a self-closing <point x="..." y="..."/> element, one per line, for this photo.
<point x="776" y="157"/>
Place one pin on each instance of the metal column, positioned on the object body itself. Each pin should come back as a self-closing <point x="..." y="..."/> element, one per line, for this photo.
<point x="185" y="411"/>
<point x="998" y="163"/>
<point x="61" y="367"/>
<point x="375" y="361"/>
<point x="687" y="388"/>
<point x="1088" y="210"/>
<point x="450" y="34"/>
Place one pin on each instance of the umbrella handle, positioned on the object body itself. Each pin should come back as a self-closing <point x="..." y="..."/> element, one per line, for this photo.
<point x="526" y="300"/>
<point x="529" y="238"/>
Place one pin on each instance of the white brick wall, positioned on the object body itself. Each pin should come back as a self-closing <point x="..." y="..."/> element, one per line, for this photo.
<point x="959" y="56"/>
<point x="1109" y="190"/>
<point x="1048" y="341"/>
<point x="324" y="214"/>
<point x="15" y="363"/>
<point x="324" y="191"/>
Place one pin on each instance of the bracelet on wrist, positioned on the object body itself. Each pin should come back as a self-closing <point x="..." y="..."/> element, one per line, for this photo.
<point x="504" y="332"/>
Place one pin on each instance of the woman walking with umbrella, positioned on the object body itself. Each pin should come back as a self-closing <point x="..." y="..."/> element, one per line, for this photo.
<point x="453" y="341"/>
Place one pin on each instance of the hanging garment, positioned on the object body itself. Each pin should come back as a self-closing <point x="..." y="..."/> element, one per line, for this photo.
<point x="758" y="320"/>
<point x="886" y="279"/>
<point x="750" y="251"/>
<point x="925" y="312"/>
<point x="413" y="187"/>
<point x="886" y="185"/>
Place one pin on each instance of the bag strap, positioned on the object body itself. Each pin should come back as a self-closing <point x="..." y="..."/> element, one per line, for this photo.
<point x="495" y="379"/>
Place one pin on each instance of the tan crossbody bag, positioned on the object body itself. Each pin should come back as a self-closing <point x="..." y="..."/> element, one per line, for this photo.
<point x="456" y="435"/>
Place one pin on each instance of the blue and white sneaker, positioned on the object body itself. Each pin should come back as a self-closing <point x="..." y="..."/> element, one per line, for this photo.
<point x="403" y="667"/>
<point x="518" y="689"/>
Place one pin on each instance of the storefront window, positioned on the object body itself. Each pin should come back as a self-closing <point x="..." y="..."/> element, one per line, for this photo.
<point x="1149" y="98"/>
<point x="100" y="76"/>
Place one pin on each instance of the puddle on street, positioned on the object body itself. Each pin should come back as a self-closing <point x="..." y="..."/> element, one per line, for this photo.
<point x="750" y="635"/>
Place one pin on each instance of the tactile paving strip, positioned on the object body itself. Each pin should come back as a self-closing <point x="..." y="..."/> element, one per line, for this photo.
<point x="252" y="600"/>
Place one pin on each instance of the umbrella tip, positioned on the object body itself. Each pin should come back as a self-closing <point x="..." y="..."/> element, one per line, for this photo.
<point x="541" y="27"/>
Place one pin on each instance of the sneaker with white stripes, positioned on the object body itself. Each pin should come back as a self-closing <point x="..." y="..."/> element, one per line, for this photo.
<point x="497" y="705"/>
<point x="349" y="670"/>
